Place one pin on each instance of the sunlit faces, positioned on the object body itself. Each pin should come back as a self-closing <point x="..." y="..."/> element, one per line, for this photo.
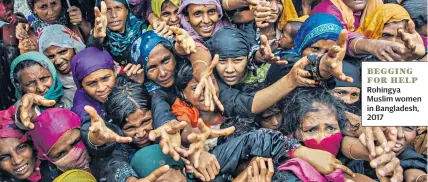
<point x="60" y="57"/>
<point x="406" y="136"/>
<point x="35" y="79"/>
<point x="117" y="14"/>
<point x="318" y="124"/>
<point x="64" y="145"/>
<point x="48" y="10"/>
<point x="190" y="96"/>
<point x="232" y="70"/>
<point x="161" y="66"/>
<point x="390" y="31"/>
<point x="276" y="9"/>
<point x="271" y="119"/>
<point x="349" y="95"/>
<point x="169" y="14"/>
<point x="16" y="158"/>
<point x="99" y="84"/>
<point x="355" y="5"/>
<point x="203" y="18"/>
<point x="318" y="48"/>
<point x="6" y="9"/>
<point x="138" y="125"/>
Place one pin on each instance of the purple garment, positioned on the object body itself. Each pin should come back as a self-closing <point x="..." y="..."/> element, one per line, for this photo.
<point x="305" y="172"/>
<point x="141" y="8"/>
<point x="84" y="63"/>
<point x="327" y="7"/>
<point x="223" y="22"/>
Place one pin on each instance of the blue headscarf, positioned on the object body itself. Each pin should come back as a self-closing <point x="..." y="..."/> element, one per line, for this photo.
<point x="118" y="42"/>
<point x="55" y="91"/>
<point x="141" y="49"/>
<point x="317" y="27"/>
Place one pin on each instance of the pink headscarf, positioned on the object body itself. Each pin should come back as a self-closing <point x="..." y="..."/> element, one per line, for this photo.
<point x="186" y="25"/>
<point x="50" y="126"/>
<point x="305" y="172"/>
<point x="8" y="129"/>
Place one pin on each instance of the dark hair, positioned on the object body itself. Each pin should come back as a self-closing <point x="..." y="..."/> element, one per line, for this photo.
<point x="243" y="124"/>
<point x="293" y="31"/>
<point x="417" y="10"/>
<point x="125" y="98"/>
<point x="183" y="75"/>
<point x="301" y="102"/>
<point x="21" y="66"/>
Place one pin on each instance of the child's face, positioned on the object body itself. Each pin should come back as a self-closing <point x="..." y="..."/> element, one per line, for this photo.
<point x="6" y="9"/>
<point x="286" y="41"/>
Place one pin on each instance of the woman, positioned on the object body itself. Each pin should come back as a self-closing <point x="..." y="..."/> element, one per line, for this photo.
<point x="166" y="11"/>
<point x="48" y="12"/>
<point x="60" y="44"/>
<point x="115" y="29"/>
<point x="18" y="159"/>
<point x="390" y="22"/>
<point x="36" y="82"/>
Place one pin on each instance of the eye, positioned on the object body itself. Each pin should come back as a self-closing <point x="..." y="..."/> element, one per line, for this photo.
<point x="312" y="130"/>
<point x="166" y="14"/>
<point x="62" y="52"/>
<point x="118" y="8"/>
<point x="166" y="61"/>
<point x="4" y="158"/>
<point x="43" y="7"/>
<point x="91" y="84"/>
<point x="355" y="95"/>
<point x="315" y="49"/>
<point x="409" y="128"/>
<point x="237" y="60"/>
<point x="45" y="78"/>
<point x="222" y="61"/>
<point x="31" y="83"/>
<point x="212" y="11"/>
<point x="21" y="147"/>
<point x="105" y="78"/>
<point x="197" y="13"/>
<point x="51" y="56"/>
<point x="330" y="128"/>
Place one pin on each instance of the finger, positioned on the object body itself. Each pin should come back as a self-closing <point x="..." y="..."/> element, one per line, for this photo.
<point x="370" y="141"/>
<point x="97" y="12"/>
<point x="411" y="28"/>
<point x="381" y="160"/>
<point x="154" y="134"/>
<point x="120" y="139"/>
<point x="199" y="175"/>
<point x="307" y="82"/>
<point x="282" y="61"/>
<point x="302" y="63"/>
<point x="165" y="30"/>
<point x="160" y="28"/>
<point x="103" y="8"/>
<point x="137" y="68"/>
<point x="93" y="114"/>
<point x="222" y="132"/>
<point x="180" y="151"/>
<point x="176" y="127"/>
<point x="169" y="34"/>
<point x="217" y="165"/>
<point x="175" y="30"/>
<point x="164" y="146"/>
<point x="344" y="169"/>
<point x="41" y="101"/>
<point x="140" y="71"/>
<point x="271" y="169"/>
<point x="264" y="41"/>
<point x="204" y="172"/>
<point x="303" y="73"/>
<point x="398" y="175"/>
<point x="380" y="136"/>
<point x="250" y="171"/>
<point x="392" y="133"/>
<point x="127" y="67"/>
<point x="343" y="37"/>
<point x="199" y="88"/>
<point x="398" y="48"/>
<point x="214" y="62"/>
<point x="263" y="169"/>
<point x="393" y="55"/>
<point x="218" y="103"/>
<point x="206" y="93"/>
<point x="387" y="57"/>
<point x="211" y="172"/>
<point x="157" y="173"/>
<point x="389" y="167"/>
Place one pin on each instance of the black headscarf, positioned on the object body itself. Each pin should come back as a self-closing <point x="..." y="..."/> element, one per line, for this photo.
<point x="417" y="10"/>
<point x="350" y="70"/>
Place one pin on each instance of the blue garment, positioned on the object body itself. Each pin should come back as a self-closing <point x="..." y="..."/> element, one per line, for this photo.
<point x="140" y="52"/>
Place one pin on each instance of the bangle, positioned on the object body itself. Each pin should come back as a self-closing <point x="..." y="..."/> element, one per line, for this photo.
<point x="350" y="152"/>
<point x="89" y="140"/>
<point x="353" y="47"/>
<point x="291" y="153"/>
<point x="419" y="177"/>
<point x="200" y="61"/>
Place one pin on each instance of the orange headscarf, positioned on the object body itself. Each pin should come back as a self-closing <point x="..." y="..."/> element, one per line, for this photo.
<point x="372" y="26"/>
<point x="184" y="112"/>
<point x="348" y="14"/>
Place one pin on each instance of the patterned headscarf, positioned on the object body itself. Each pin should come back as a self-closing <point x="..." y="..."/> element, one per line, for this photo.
<point x="140" y="52"/>
<point x="55" y="91"/>
<point x="61" y="36"/>
<point x="118" y="42"/>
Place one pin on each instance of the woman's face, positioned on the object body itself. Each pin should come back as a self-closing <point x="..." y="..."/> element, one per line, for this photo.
<point x="318" y="48"/>
<point x="271" y="119"/>
<point x="349" y="95"/>
<point x="60" y="57"/>
<point x="190" y="96"/>
<point x="16" y="158"/>
<point x="117" y="14"/>
<point x="390" y="31"/>
<point x="406" y="136"/>
<point x="99" y="84"/>
<point x="64" y="145"/>
<point x="276" y="10"/>
<point x="203" y="18"/>
<point x="48" y="10"/>
<point x="35" y="79"/>
<point x="169" y="14"/>
<point x="137" y="126"/>
<point x="318" y="125"/>
<point x="355" y="5"/>
<point x="232" y="70"/>
<point x="161" y="66"/>
<point x="6" y="9"/>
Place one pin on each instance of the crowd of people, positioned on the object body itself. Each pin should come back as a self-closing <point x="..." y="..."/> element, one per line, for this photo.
<point x="203" y="90"/>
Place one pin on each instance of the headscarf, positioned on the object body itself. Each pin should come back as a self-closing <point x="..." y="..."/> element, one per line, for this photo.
<point x="150" y="158"/>
<point x="348" y="14"/>
<point x="118" y="42"/>
<point x="372" y="26"/>
<point x="61" y="36"/>
<point x="317" y="27"/>
<point x="82" y="64"/>
<point x="188" y="27"/>
<point x="157" y="6"/>
<point x="75" y="175"/>
<point x="140" y="52"/>
<point x="55" y="91"/>
<point x="352" y="71"/>
<point x="289" y="12"/>
<point x="299" y="19"/>
<point x="49" y="127"/>
<point x="8" y="129"/>
<point x="38" y="24"/>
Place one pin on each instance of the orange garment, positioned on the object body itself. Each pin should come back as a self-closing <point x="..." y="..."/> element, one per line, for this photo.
<point x="348" y="14"/>
<point x="184" y="112"/>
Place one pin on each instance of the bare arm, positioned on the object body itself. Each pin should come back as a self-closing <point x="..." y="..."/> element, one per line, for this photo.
<point x="352" y="148"/>
<point x="235" y="4"/>
<point x="413" y="174"/>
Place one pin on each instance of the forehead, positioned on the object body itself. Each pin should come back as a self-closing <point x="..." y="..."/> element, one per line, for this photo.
<point x="9" y="142"/>
<point x="67" y="138"/>
<point x="97" y="74"/>
<point x="33" y="71"/>
<point x="348" y="89"/>
<point x="200" y="7"/>
<point x="394" y="26"/>
<point x="157" y="54"/>
<point x="167" y="5"/>
<point x="138" y="115"/>
<point x="323" y="115"/>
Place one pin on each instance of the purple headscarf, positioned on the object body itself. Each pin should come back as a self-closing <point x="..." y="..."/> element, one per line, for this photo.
<point x="186" y="25"/>
<point x="84" y="63"/>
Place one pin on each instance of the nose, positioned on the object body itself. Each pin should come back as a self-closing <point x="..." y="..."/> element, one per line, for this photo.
<point x="174" y="17"/>
<point x="275" y="121"/>
<point x="274" y="6"/>
<point x="229" y="67"/>
<point x="347" y="99"/>
<point x="162" y="72"/>
<point x="140" y="132"/>
<point x="101" y="87"/>
<point x="400" y="134"/>
<point x="113" y="13"/>
<point x="17" y="159"/>
<point x="205" y="19"/>
<point x="40" y="88"/>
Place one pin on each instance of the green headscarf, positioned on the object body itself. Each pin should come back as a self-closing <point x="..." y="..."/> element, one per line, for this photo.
<point x="55" y="91"/>
<point x="150" y="158"/>
<point x="157" y="7"/>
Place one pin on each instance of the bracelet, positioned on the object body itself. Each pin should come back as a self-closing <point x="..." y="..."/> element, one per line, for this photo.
<point x="419" y="177"/>
<point x="318" y="62"/>
<point x="353" y="47"/>
<point x="200" y="61"/>
<point x="291" y="153"/>
<point x="350" y="152"/>
<point x="96" y="146"/>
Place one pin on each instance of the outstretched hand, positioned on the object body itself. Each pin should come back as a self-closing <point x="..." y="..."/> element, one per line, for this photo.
<point x="170" y="137"/>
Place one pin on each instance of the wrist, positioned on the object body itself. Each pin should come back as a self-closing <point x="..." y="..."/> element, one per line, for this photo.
<point x="93" y="141"/>
<point x="299" y="152"/>
<point x="323" y="70"/>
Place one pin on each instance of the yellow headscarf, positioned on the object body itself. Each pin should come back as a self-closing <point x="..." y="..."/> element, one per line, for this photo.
<point x="348" y="14"/>
<point x="301" y="19"/>
<point x="289" y="12"/>
<point x="157" y="7"/>
<point x="372" y="26"/>
<point x="75" y="176"/>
